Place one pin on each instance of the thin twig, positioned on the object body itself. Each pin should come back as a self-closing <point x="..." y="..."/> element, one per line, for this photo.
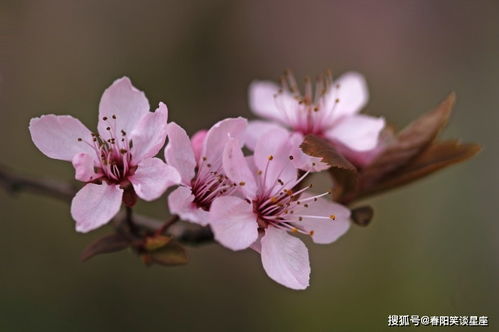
<point x="129" y="222"/>
<point x="167" y="224"/>
<point x="15" y="183"/>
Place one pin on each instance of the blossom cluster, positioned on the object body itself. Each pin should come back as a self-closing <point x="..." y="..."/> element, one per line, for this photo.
<point x="258" y="200"/>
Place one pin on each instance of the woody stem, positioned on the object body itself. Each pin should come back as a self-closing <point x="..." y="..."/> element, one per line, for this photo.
<point x="173" y="219"/>
<point x="15" y="183"/>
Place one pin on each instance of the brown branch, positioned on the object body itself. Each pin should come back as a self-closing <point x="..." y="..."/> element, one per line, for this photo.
<point x="173" y="219"/>
<point x="15" y="183"/>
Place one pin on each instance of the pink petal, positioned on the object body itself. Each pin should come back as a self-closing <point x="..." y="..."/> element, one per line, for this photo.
<point x="95" y="205"/>
<point x="217" y="137"/>
<point x="257" y="245"/>
<point x="351" y="92"/>
<point x="179" y="154"/>
<point x="266" y="102"/>
<point x="124" y="101"/>
<point x="233" y="222"/>
<point x="324" y="231"/>
<point x="152" y="178"/>
<point x="57" y="136"/>
<point x="237" y="169"/>
<point x="358" y="132"/>
<point x="272" y="158"/>
<point x="197" y="142"/>
<point x="285" y="259"/>
<point x="362" y="158"/>
<point x="257" y="129"/>
<point x="149" y="135"/>
<point x="181" y="202"/>
<point x="84" y="165"/>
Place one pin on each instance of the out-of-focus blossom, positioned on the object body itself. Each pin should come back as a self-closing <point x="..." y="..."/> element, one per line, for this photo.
<point x="119" y="157"/>
<point x="270" y="206"/>
<point x="199" y="162"/>
<point x="330" y="111"/>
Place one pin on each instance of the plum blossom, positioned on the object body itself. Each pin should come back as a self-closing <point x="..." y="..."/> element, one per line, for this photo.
<point x="270" y="206"/>
<point x="199" y="162"/>
<point x="331" y="112"/>
<point x="119" y="157"/>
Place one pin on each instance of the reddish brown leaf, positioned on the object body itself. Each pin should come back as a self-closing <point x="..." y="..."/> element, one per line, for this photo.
<point x="318" y="147"/>
<point x="156" y="242"/>
<point x="171" y="254"/>
<point x="343" y="171"/>
<point x="362" y="215"/>
<point x="107" y="244"/>
<point x="409" y="142"/>
<point x="438" y="156"/>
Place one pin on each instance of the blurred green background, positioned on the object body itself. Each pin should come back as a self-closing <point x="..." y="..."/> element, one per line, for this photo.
<point x="431" y="249"/>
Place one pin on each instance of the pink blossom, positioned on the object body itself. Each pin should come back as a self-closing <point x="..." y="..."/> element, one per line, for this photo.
<point x="267" y="209"/>
<point x="331" y="112"/>
<point x="119" y="155"/>
<point x="199" y="162"/>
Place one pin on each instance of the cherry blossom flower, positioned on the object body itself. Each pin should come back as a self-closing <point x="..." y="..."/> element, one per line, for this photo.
<point x="270" y="206"/>
<point x="199" y="162"/>
<point x="119" y="157"/>
<point x="331" y="112"/>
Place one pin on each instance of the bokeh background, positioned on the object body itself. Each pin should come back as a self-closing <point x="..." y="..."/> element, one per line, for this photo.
<point x="431" y="249"/>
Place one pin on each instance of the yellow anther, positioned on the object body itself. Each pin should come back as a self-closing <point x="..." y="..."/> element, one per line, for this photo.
<point x="271" y="157"/>
<point x="332" y="217"/>
<point x="242" y="183"/>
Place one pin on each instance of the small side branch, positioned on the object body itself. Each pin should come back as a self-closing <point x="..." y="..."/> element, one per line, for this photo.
<point x="14" y="183"/>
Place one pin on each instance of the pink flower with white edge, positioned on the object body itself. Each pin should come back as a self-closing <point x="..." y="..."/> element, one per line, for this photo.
<point x="120" y="155"/>
<point x="331" y="112"/>
<point x="199" y="162"/>
<point x="268" y="210"/>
